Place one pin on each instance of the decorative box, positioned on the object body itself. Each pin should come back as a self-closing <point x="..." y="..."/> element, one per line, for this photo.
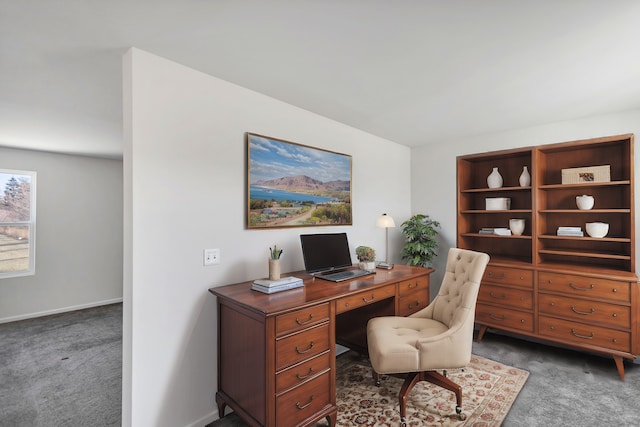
<point x="498" y="203"/>
<point x="587" y="174"/>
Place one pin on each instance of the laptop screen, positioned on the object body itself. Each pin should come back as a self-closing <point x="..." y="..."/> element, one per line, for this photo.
<point x="322" y="252"/>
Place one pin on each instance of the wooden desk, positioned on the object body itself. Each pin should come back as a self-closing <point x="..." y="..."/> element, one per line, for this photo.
<point x="276" y="353"/>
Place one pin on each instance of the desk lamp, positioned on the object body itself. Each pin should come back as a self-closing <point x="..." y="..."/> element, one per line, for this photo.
<point x="385" y="221"/>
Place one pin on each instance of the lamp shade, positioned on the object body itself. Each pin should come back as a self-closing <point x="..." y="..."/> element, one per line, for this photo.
<point x="385" y="221"/>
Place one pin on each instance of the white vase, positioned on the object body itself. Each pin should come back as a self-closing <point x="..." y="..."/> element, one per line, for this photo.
<point x="516" y="226"/>
<point x="525" y="178"/>
<point x="367" y="265"/>
<point x="494" y="180"/>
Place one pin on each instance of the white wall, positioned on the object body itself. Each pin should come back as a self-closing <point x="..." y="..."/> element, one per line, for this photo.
<point x="78" y="235"/>
<point x="185" y="190"/>
<point x="433" y="167"/>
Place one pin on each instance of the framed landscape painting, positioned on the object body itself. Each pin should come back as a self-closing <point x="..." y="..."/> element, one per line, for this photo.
<point x="294" y="185"/>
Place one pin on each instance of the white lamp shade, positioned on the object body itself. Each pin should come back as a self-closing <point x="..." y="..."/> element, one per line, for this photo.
<point x="385" y="221"/>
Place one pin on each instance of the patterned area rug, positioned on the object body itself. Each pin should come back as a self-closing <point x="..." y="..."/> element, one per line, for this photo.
<point x="489" y="390"/>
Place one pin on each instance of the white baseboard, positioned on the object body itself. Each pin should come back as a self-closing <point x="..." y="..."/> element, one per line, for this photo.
<point x="58" y="310"/>
<point x="206" y="420"/>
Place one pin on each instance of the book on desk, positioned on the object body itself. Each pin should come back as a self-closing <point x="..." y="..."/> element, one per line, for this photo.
<point x="271" y="286"/>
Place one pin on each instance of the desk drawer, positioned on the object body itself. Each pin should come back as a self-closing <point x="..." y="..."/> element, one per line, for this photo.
<point x="504" y="317"/>
<point x="413" y="302"/>
<point x="412" y="285"/>
<point x="568" y="331"/>
<point x="585" y="310"/>
<point x="363" y="298"/>
<point x="302" y="402"/>
<point x="509" y="276"/>
<point x="301" y="319"/>
<point x="300" y="373"/>
<point x="584" y="286"/>
<point x="302" y="345"/>
<point x="510" y="297"/>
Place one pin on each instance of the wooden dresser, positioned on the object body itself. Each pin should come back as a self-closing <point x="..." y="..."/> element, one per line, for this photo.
<point x="276" y="353"/>
<point x="578" y="291"/>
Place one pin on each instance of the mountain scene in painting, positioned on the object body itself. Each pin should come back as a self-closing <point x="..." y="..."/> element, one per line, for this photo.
<point x="296" y="185"/>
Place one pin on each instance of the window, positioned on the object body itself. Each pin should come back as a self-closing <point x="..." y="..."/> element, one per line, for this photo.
<point x="17" y="223"/>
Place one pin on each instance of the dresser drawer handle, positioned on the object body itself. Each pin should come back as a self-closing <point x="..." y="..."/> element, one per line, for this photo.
<point x="573" y="308"/>
<point x="369" y="300"/>
<point x="503" y="296"/>
<point x="305" y="351"/>
<point x="301" y="377"/>
<point x="417" y="304"/>
<point x="299" y="406"/>
<point x="497" y="318"/>
<point x="502" y="276"/>
<point x="414" y="285"/>
<point x="573" y="331"/>
<point x="302" y="323"/>
<point x="578" y="288"/>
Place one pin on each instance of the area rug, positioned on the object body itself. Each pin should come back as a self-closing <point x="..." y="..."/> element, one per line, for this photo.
<point x="489" y="390"/>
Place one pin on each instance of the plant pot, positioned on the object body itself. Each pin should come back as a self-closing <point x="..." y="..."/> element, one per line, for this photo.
<point x="367" y="265"/>
<point x="274" y="269"/>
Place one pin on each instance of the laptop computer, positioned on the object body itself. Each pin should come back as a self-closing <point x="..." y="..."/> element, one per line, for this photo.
<point x="327" y="256"/>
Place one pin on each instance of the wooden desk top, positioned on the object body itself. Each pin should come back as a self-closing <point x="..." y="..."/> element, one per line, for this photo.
<point x="313" y="292"/>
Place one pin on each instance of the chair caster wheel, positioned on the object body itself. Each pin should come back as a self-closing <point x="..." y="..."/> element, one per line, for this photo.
<point x="403" y="422"/>
<point x="377" y="383"/>
<point x="461" y="416"/>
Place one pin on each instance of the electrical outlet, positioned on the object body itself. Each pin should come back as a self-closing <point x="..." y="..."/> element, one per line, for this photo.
<point x="211" y="257"/>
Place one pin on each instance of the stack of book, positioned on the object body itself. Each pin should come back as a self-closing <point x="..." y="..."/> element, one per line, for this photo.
<point x="270" y="286"/>
<point x="500" y="231"/>
<point x="570" y="231"/>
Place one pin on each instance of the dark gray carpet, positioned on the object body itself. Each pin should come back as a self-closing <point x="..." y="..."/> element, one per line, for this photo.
<point x="62" y="370"/>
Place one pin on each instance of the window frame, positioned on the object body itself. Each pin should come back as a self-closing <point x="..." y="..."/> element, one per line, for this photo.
<point x="31" y="223"/>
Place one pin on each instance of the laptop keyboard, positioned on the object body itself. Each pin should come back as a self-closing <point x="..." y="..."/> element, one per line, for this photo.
<point x="344" y="275"/>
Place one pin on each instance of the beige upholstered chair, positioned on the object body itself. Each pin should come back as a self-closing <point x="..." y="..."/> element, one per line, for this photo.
<point x="438" y="337"/>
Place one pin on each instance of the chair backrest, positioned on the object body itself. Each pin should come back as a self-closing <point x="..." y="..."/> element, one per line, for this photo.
<point x="456" y="300"/>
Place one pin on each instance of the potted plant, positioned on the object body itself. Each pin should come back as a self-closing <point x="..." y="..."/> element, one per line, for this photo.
<point x="420" y="232"/>
<point x="367" y="257"/>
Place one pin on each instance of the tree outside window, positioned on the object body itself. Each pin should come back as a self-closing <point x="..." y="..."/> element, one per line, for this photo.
<point x="17" y="223"/>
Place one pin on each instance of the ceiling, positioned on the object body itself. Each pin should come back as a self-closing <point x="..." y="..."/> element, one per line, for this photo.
<point x="414" y="72"/>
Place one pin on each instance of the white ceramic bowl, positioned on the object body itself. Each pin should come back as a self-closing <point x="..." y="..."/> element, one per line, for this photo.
<point x="597" y="229"/>
<point x="584" y="202"/>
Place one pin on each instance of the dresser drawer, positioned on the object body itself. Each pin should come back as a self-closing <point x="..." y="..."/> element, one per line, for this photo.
<point x="301" y="319"/>
<point x="573" y="332"/>
<point x="302" y="372"/>
<point x="509" y="276"/>
<point x="412" y="302"/>
<point x="364" y="298"/>
<point x="510" y="297"/>
<point x="302" y="345"/>
<point x="409" y="286"/>
<point x="585" y="310"/>
<point x="302" y="402"/>
<point x="504" y="318"/>
<point x="585" y="287"/>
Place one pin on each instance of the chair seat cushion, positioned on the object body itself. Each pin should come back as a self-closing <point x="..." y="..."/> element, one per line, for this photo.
<point x="393" y="344"/>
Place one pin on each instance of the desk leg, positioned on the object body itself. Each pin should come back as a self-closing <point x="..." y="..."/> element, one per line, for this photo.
<point x="222" y="405"/>
<point x="332" y="419"/>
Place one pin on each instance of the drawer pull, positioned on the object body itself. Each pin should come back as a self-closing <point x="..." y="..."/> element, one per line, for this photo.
<point x="302" y="377"/>
<point x="503" y="296"/>
<point x="417" y="304"/>
<point x="573" y="331"/>
<point x="502" y="276"/>
<point x="573" y="308"/>
<point x="497" y="318"/>
<point x="411" y="286"/>
<point x="302" y="323"/>
<point x="299" y="406"/>
<point x="369" y="300"/>
<point x="578" y="288"/>
<point x="305" y="351"/>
